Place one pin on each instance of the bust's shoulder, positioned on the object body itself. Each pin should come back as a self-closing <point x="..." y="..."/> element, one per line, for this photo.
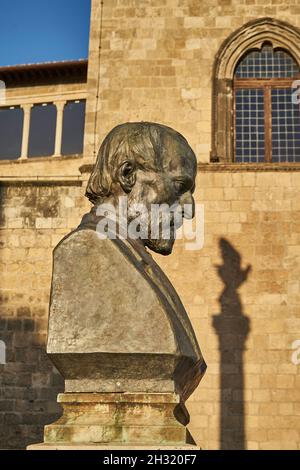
<point x="85" y="247"/>
<point x="82" y="258"/>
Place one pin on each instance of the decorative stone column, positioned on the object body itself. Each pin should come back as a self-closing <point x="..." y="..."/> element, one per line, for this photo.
<point x="60" y="105"/>
<point x="26" y="126"/>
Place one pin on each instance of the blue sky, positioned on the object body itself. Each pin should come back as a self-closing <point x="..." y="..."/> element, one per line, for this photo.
<point x="34" y="31"/>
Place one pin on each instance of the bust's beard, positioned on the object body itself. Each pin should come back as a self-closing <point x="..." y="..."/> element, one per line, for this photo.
<point x="161" y="246"/>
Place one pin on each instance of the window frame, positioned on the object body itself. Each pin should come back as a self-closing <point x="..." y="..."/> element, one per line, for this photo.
<point x="252" y="35"/>
<point x="267" y="84"/>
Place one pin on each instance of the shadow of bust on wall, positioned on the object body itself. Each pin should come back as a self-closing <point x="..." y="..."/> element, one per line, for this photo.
<point x="118" y="332"/>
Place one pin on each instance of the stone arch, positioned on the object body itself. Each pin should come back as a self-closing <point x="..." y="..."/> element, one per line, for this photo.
<point x="250" y="36"/>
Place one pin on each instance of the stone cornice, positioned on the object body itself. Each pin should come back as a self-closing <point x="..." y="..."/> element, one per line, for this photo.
<point x="231" y="167"/>
<point x="241" y="167"/>
<point x="49" y="72"/>
<point x="41" y="181"/>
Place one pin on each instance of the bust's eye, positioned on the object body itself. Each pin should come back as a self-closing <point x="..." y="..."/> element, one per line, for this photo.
<point x="180" y="186"/>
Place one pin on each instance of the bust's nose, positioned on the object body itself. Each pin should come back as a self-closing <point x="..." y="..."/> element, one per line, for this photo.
<point x="187" y="200"/>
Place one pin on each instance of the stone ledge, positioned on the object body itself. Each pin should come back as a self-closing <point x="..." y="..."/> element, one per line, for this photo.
<point x="50" y="158"/>
<point x="122" y="397"/>
<point x="230" y="167"/>
<point x="239" y="167"/>
<point x="86" y="168"/>
<point x="187" y="447"/>
<point x="41" y="181"/>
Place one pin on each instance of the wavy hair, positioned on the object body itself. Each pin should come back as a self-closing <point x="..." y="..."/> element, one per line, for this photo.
<point x="140" y="142"/>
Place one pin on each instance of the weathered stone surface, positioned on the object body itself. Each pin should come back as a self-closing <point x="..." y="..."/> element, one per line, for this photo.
<point x="120" y="419"/>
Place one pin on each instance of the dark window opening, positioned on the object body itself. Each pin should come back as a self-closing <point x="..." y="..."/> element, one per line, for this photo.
<point x="73" y="128"/>
<point x="42" y="130"/>
<point x="11" y="128"/>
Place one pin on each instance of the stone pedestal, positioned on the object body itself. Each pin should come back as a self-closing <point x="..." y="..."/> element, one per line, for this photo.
<point x="118" y="419"/>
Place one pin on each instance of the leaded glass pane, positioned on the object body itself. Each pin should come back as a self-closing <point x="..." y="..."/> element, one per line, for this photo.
<point x="249" y="125"/>
<point x="285" y="126"/>
<point x="267" y="63"/>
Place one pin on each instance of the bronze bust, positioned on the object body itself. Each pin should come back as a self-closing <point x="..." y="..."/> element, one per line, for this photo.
<point x="116" y="323"/>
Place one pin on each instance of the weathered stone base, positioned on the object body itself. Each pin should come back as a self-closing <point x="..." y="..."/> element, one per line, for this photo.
<point x="187" y="447"/>
<point x="107" y="419"/>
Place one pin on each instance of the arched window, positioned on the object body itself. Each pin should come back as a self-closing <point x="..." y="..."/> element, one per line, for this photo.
<point x="256" y="113"/>
<point x="267" y="117"/>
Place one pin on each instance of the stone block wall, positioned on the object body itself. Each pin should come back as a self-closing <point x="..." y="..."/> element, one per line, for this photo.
<point x="34" y="216"/>
<point x="241" y="291"/>
<point x="153" y="61"/>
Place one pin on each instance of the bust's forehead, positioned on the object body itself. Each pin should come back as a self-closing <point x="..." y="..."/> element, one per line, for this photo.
<point x="177" y="155"/>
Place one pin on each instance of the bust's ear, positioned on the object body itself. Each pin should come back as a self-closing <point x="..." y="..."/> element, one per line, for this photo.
<point x="127" y="175"/>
